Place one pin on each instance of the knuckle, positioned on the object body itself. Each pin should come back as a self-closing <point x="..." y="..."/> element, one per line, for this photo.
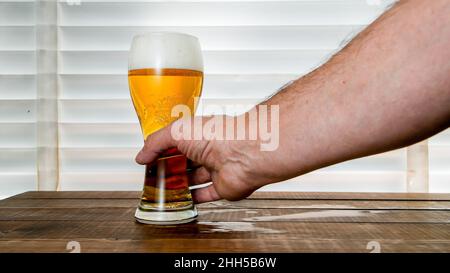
<point x="232" y="185"/>
<point x="147" y="146"/>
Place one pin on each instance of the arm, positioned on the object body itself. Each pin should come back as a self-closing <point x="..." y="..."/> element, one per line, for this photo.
<point x="389" y="88"/>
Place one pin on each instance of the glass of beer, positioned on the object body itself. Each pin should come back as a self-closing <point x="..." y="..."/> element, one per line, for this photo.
<point x="165" y="70"/>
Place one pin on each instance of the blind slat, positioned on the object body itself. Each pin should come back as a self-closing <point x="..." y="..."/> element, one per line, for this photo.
<point x="342" y="181"/>
<point x="213" y="38"/>
<point x="13" y="111"/>
<point x="17" y="14"/>
<point x="98" y="159"/>
<point x="17" y="87"/>
<point x="17" y="38"/>
<point x="73" y="87"/>
<point x="216" y="62"/>
<point x="17" y="160"/>
<point x="17" y="135"/>
<point x="220" y="13"/>
<point x="17" y="62"/>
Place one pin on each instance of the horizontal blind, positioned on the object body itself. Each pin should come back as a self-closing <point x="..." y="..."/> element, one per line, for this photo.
<point x="17" y="98"/>
<point x="250" y="48"/>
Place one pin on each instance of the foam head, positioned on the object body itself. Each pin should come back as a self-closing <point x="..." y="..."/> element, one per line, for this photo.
<point x="165" y="50"/>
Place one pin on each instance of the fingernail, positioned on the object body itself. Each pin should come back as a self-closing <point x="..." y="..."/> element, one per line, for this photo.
<point x="138" y="156"/>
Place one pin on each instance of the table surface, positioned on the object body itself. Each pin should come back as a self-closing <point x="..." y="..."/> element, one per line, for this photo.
<point x="264" y="222"/>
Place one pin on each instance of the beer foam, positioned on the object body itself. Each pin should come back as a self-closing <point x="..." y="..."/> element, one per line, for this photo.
<point x="165" y="50"/>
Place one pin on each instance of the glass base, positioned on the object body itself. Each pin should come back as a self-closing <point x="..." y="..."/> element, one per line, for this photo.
<point x="174" y="217"/>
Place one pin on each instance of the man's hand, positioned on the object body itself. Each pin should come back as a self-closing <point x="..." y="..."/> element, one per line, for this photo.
<point x="234" y="167"/>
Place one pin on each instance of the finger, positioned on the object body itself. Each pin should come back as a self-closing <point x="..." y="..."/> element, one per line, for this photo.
<point x="206" y="194"/>
<point x="155" y="144"/>
<point x="199" y="176"/>
<point x="192" y="164"/>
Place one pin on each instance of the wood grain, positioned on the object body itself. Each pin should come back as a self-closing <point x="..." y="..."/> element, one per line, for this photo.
<point x="225" y="245"/>
<point x="265" y="222"/>
<point x="235" y="215"/>
<point x="243" y="204"/>
<point x="221" y="230"/>
<point x="256" y="195"/>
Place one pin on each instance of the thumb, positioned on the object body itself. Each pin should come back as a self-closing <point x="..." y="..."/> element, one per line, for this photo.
<point x="156" y="144"/>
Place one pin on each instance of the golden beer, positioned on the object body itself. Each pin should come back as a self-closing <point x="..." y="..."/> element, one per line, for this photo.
<point x="165" y="69"/>
<point x="154" y="93"/>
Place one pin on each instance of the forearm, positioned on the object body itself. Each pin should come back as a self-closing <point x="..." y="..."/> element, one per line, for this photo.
<point x="387" y="89"/>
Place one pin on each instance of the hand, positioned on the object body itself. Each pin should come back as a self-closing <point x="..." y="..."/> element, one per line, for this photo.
<point x="236" y="167"/>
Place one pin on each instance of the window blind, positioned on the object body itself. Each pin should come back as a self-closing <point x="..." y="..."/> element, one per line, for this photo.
<point x="17" y="98"/>
<point x="250" y="48"/>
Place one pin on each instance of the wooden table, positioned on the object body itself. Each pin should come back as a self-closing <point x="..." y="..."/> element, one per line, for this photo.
<point x="264" y="222"/>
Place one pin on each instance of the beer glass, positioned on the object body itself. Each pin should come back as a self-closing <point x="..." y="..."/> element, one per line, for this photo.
<point x="165" y="70"/>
